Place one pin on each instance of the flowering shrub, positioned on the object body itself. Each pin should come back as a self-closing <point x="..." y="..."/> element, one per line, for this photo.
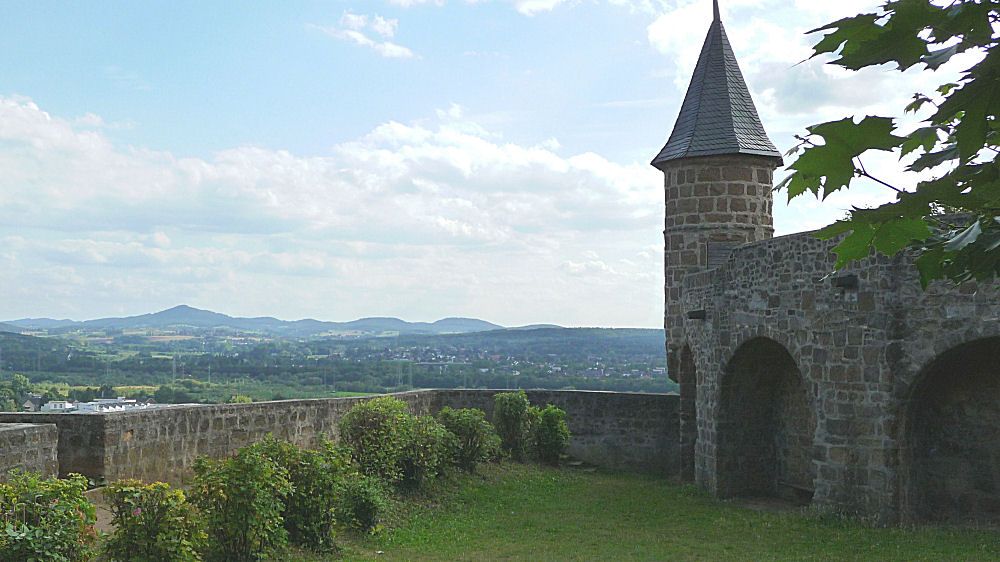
<point x="241" y="499"/>
<point x="152" y="523"/>
<point x="46" y="519"/>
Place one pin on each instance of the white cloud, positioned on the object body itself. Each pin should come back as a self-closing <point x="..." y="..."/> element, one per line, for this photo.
<point x="761" y="31"/>
<point x="352" y="29"/>
<point x="160" y="240"/>
<point x="384" y="26"/>
<point x="89" y="120"/>
<point x="421" y="220"/>
<point x="790" y="92"/>
<point x="532" y="7"/>
<point x="641" y="6"/>
<point x="588" y="267"/>
<point x="354" y="21"/>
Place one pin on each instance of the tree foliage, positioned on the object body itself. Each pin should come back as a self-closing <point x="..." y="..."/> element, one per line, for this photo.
<point x="955" y="147"/>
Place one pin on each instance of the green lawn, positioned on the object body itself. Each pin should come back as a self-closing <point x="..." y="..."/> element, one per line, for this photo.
<point x="520" y="512"/>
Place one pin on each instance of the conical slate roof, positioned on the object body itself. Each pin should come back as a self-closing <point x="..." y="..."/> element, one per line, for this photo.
<point x="718" y="115"/>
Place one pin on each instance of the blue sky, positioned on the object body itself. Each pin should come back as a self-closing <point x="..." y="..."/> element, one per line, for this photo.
<point x="194" y="80"/>
<point x="333" y="160"/>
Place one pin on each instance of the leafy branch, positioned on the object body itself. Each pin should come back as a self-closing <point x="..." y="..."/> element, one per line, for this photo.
<point x="955" y="148"/>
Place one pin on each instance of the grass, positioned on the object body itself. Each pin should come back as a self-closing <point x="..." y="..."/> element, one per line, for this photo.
<point x="519" y="512"/>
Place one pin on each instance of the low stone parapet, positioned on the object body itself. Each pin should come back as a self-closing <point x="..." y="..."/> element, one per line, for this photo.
<point x="619" y="430"/>
<point x="614" y="430"/>
<point x="28" y="447"/>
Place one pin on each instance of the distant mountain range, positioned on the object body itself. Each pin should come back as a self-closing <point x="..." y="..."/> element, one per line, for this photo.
<point x="183" y="316"/>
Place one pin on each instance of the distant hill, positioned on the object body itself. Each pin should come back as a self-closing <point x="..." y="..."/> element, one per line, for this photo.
<point x="538" y="327"/>
<point x="462" y="325"/>
<point x="40" y="323"/>
<point x="10" y="328"/>
<point x="184" y="316"/>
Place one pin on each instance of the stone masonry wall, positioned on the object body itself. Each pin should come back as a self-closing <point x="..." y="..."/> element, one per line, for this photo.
<point x="79" y="435"/>
<point x="162" y="443"/>
<point x="628" y="431"/>
<point x="713" y="204"/>
<point x="29" y="447"/>
<point x="861" y="340"/>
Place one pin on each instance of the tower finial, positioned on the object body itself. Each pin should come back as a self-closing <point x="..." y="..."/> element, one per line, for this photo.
<point x="715" y="10"/>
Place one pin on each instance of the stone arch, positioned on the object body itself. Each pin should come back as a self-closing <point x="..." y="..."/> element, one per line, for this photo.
<point x="766" y="425"/>
<point x="951" y="437"/>
<point x="687" y="381"/>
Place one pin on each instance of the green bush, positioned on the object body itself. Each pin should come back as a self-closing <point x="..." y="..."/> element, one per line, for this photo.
<point x="531" y="432"/>
<point x="474" y="439"/>
<point x="422" y="450"/>
<point x="241" y="499"/>
<point x="370" y="431"/>
<point x="515" y="419"/>
<point x="552" y="435"/>
<point x="46" y="519"/>
<point x="309" y="516"/>
<point x="388" y="443"/>
<point x="361" y="502"/>
<point x="152" y="523"/>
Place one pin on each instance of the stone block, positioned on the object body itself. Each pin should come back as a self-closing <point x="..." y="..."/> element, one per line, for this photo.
<point x="709" y="174"/>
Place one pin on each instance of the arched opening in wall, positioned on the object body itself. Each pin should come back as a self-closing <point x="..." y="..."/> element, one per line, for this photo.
<point x="766" y="426"/>
<point x="952" y="440"/>
<point x="687" y="381"/>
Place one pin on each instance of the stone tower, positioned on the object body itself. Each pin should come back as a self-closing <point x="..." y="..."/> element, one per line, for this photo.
<point x="717" y="167"/>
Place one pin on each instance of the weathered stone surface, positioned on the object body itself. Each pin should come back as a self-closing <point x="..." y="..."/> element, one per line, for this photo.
<point x="954" y="436"/>
<point x="28" y="447"/>
<point x="856" y="390"/>
<point x="629" y="431"/>
<point x="875" y="438"/>
<point x="701" y="210"/>
<point x="634" y="431"/>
